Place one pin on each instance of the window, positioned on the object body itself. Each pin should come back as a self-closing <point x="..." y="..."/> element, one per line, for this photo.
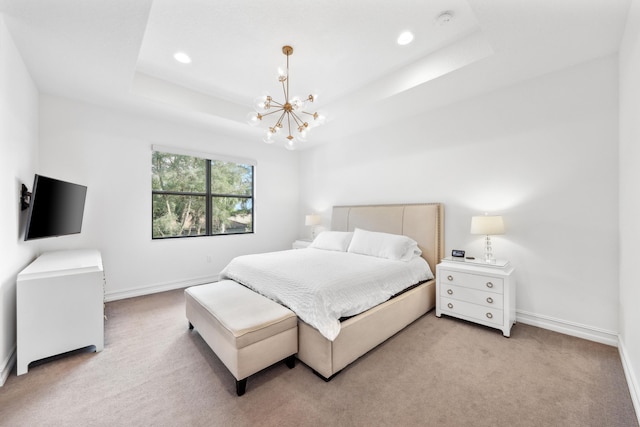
<point x="198" y="196"/>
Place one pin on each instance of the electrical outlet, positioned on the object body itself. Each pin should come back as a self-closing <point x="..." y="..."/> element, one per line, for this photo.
<point x="209" y="258"/>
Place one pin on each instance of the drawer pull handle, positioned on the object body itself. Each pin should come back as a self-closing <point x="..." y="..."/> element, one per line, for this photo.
<point x="490" y="316"/>
<point x="489" y="285"/>
<point x="490" y="300"/>
<point x="449" y="277"/>
<point x="450" y="292"/>
<point x="450" y="305"/>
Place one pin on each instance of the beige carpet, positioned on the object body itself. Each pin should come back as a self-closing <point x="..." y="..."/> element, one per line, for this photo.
<point x="437" y="372"/>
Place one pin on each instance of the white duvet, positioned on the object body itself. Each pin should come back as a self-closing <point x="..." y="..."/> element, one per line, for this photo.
<point x="322" y="286"/>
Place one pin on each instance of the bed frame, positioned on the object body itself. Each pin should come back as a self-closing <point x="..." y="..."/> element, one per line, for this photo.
<point x="359" y="334"/>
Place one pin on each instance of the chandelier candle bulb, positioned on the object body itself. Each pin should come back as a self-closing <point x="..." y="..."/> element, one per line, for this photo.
<point x="288" y="112"/>
<point x="254" y="119"/>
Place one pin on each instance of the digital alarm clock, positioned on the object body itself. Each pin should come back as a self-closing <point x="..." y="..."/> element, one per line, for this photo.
<point x="457" y="253"/>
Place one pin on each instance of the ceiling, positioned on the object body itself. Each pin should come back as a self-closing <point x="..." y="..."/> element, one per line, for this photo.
<point x="119" y="53"/>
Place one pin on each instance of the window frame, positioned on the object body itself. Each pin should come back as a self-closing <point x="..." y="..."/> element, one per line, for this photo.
<point x="208" y="194"/>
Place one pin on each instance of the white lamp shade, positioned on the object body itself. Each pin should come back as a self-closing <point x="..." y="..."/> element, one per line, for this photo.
<point x="312" y="220"/>
<point x="487" y="224"/>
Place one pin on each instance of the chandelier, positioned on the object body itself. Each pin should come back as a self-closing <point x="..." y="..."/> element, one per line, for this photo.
<point x="290" y="125"/>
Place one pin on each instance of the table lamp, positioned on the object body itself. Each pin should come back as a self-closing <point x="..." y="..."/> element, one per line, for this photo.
<point x="487" y="225"/>
<point x="312" y="220"/>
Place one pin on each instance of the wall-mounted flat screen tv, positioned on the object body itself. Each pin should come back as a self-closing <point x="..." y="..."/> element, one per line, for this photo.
<point x="56" y="208"/>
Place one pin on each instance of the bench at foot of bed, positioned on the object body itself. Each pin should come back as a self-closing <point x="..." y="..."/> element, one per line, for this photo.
<point x="247" y="331"/>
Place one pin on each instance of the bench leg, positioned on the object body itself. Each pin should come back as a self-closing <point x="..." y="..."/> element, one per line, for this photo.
<point x="241" y="386"/>
<point x="290" y="361"/>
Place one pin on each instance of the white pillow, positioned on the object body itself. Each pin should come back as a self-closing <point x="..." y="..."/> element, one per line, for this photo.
<point x="384" y="245"/>
<point x="332" y="240"/>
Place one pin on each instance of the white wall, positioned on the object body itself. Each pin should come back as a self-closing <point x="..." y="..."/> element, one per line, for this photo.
<point x="18" y="158"/>
<point x="542" y="153"/>
<point x="630" y="201"/>
<point x="110" y="152"/>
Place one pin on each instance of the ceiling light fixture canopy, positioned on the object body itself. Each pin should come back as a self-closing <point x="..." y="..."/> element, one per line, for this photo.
<point x="290" y="112"/>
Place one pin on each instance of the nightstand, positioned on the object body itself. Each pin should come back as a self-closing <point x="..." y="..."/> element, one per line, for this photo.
<point x="477" y="292"/>
<point x="300" y="244"/>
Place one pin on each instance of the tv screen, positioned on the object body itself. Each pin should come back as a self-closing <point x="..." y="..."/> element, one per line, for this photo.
<point x="56" y="208"/>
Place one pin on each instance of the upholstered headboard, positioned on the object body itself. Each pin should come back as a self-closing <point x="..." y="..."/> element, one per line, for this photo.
<point x="424" y="223"/>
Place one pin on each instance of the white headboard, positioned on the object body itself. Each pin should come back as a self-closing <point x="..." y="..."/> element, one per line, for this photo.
<point x="423" y="222"/>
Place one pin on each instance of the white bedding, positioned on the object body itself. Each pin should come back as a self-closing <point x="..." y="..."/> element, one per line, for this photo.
<point x="322" y="286"/>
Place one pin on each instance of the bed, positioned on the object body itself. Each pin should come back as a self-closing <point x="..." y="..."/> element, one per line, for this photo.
<point x="328" y="351"/>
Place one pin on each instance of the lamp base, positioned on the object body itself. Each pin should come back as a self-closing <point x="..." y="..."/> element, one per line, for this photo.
<point x="488" y="253"/>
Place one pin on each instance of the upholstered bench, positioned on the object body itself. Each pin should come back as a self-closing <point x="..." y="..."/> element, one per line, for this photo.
<point x="247" y="331"/>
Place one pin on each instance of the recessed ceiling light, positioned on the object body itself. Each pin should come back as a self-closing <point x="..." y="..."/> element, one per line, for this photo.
<point x="405" y="38"/>
<point x="182" y="57"/>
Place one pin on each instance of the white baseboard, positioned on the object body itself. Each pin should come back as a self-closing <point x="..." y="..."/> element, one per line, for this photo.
<point x="7" y="366"/>
<point x="569" y="328"/>
<point x="159" y="287"/>
<point x="632" y="381"/>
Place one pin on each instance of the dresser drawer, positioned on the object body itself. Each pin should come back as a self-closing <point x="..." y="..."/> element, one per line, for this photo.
<point x="474" y="281"/>
<point x="475" y="311"/>
<point x="487" y="299"/>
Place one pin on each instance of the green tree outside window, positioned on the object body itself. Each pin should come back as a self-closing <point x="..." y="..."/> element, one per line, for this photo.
<point x="193" y="196"/>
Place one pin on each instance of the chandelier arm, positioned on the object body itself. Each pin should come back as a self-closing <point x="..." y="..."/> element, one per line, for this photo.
<point x="297" y="119"/>
<point x="277" y="104"/>
<point x="274" y="111"/>
<point x="305" y="112"/>
<point x="279" y="122"/>
<point x="289" y="123"/>
<point x="284" y="89"/>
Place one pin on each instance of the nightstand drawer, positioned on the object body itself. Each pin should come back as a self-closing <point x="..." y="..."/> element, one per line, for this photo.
<point x="475" y="281"/>
<point x="462" y="308"/>
<point x="487" y="299"/>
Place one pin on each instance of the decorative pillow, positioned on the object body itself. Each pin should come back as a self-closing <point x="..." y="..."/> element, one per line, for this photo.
<point x="332" y="240"/>
<point x="384" y="245"/>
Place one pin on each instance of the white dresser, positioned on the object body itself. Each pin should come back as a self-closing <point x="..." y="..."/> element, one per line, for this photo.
<point x="477" y="292"/>
<point x="59" y="305"/>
